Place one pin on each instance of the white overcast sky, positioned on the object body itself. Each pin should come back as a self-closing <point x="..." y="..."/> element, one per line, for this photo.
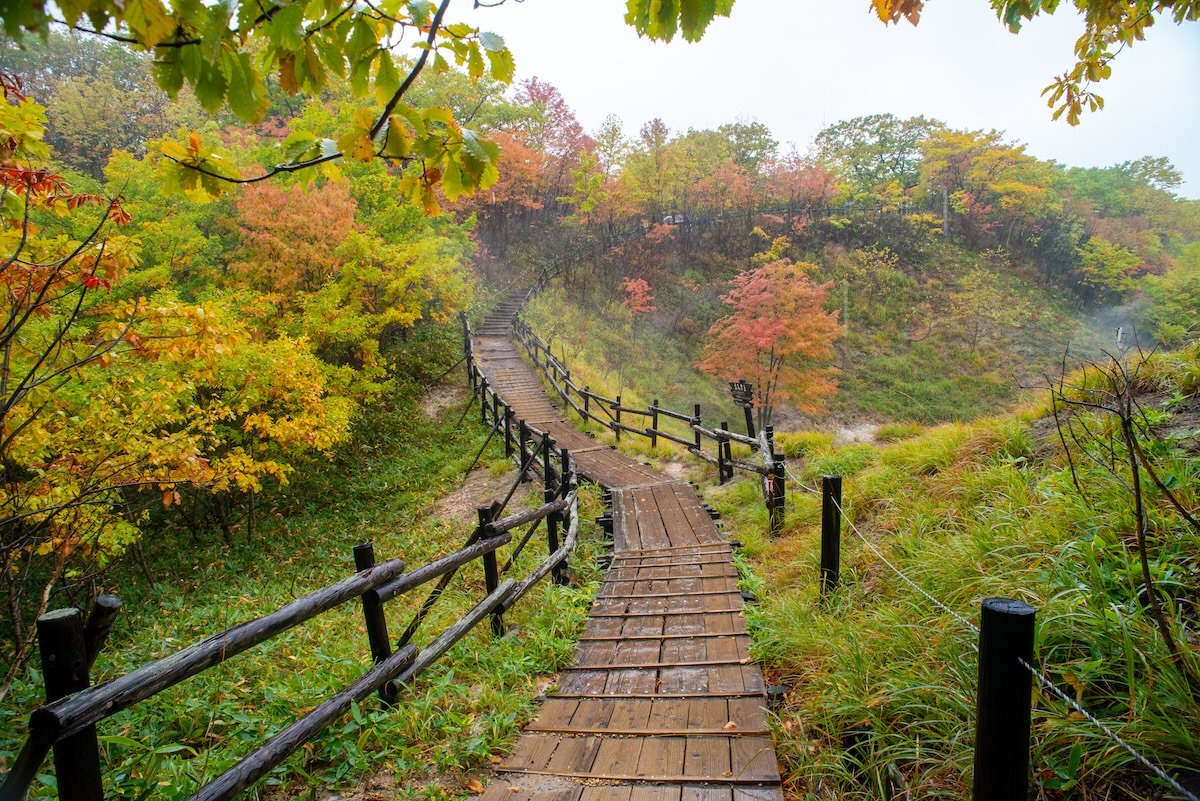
<point x="799" y="65"/>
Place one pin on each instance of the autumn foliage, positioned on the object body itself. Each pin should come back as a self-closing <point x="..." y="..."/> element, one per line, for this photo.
<point x="777" y="336"/>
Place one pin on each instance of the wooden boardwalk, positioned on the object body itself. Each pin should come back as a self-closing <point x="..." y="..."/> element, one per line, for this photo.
<point x="662" y="702"/>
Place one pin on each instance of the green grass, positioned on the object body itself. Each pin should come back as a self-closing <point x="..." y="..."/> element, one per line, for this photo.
<point x="883" y="681"/>
<point x="463" y="710"/>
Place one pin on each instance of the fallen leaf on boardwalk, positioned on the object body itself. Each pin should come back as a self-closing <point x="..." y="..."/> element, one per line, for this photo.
<point x="727" y="773"/>
<point x="495" y="760"/>
<point x="514" y="789"/>
<point x="731" y="725"/>
<point x="474" y="786"/>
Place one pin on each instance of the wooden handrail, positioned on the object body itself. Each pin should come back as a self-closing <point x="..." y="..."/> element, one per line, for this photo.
<point x="76" y="712"/>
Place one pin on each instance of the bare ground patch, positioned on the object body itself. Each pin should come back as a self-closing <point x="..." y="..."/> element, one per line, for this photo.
<point x="443" y="396"/>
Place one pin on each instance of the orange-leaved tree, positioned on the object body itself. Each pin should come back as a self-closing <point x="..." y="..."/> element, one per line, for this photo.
<point x="110" y="404"/>
<point x="777" y="336"/>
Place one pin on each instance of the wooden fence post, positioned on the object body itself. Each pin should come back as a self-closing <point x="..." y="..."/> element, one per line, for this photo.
<point x="508" y="433"/>
<point x="778" y="505"/>
<point x="750" y="432"/>
<point x="831" y="533"/>
<point x="99" y="621"/>
<point x="65" y="670"/>
<point x="376" y="622"/>
<point x="654" y="424"/>
<point x="562" y="575"/>
<point x="617" y="418"/>
<point x="696" y="422"/>
<point x="724" y="454"/>
<point x="483" y="400"/>
<point x="491" y="571"/>
<point x="495" y="410"/>
<point x="549" y="493"/>
<point x="1003" y="707"/>
<point x="468" y="353"/>
<point x="522" y="439"/>
<point x="587" y="392"/>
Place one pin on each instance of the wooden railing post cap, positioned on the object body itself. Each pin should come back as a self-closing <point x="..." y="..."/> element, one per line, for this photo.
<point x="57" y="615"/>
<point x="1008" y="607"/>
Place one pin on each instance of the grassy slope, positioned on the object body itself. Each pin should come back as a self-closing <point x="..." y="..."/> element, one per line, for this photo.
<point x="883" y="682"/>
<point x="912" y="351"/>
<point x="461" y="711"/>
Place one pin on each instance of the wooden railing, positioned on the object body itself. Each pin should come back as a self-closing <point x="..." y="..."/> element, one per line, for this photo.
<point x="67" y="723"/>
<point x="656" y="422"/>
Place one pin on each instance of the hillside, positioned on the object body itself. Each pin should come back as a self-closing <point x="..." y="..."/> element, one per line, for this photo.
<point x="1037" y="504"/>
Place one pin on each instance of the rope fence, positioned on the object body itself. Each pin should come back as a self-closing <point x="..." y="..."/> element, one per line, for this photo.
<point x="1037" y="675"/>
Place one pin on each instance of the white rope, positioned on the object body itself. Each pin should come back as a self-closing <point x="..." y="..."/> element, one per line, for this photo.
<point x="1048" y="685"/>
<point x="801" y="484"/>
<point x="1041" y="680"/>
<point x="879" y="554"/>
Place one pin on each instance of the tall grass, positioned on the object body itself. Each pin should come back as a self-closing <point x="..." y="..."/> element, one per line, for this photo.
<point x="463" y="710"/>
<point x="883" y="681"/>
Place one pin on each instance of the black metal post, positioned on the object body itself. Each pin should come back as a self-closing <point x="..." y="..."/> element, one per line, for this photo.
<point x="65" y="670"/>
<point x="1004" y="705"/>
<point x="831" y="533"/>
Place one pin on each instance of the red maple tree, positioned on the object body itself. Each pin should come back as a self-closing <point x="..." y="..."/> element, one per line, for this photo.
<point x="777" y="336"/>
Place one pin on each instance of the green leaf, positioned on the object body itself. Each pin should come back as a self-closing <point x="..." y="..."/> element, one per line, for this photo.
<point x="474" y="62"/>
<point x="128" y="742"/>
<point x="421" y="12"/>
<point x="661" y="19"/>
<point x="210" y="87"/>
<point x="492" y="42"/>
<point x="214" y="33"/>
<point x="452" y="181"/>
<point x="149" y="21"/>
<point x="285" y="28"/>
<point x="364" y="41"/>
<point x="299" y="146"/>
<point x="440" y="114"/>
<point x="479" y="148"/>
<point x="396" y="143"/>
<point x="387" y="77"/>
<point x="167" y="72"/>
<point x="502" y="65"/>
<point x="246" y="95"/>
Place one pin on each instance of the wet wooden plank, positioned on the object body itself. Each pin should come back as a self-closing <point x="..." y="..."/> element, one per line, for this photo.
<point x="707" y="758"/>
<point x="661" y="756"/>
<point x="617" y="756"/>
<point x="618" y="792"/>
<point x="655" y="792"/>
<point x="663" y="648"/>
<point x="706" y="793"/>
<point x="753" y="758"/>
